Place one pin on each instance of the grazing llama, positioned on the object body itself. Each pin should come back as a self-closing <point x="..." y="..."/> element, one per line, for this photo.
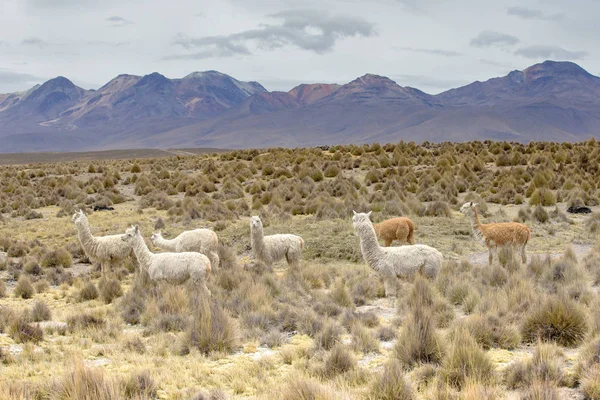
<point x="497" y="234"/>
<point x="103" y="249"/>
<point x="392" y="263"/>
<point x="272" y="248"/>
<point x="401" y="229"/>
<point x="174" y="268"/>
<point x="202" y="241"/>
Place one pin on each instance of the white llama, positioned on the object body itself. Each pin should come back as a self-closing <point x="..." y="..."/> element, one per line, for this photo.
<point x="202" y="241"/>
<point x="272" y="248"/>
<point x="174" y="268"/>
<point x="394" y="262"/>
<point x="106" y="250"/>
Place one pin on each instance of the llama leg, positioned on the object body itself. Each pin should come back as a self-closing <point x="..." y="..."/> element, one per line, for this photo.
<point x="523" y="254"/>
<point x="293" y="259"/>
<point x="388" y="242"/>
<point x="390" y="290"/>
<point x="214" y="261"/>
<point x="104" y="269"/>
<point x="206" y="290"/>
<point x="491" y="256"/>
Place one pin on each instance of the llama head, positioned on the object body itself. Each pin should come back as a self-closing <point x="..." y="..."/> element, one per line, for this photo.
<point x="130" y="234"/>
<point x="468" y="208"/>
<point x="156" y="235"/>
<point x="79" y="215"/>
<point x="361" y="218"/>
<point x="255" y="222"/>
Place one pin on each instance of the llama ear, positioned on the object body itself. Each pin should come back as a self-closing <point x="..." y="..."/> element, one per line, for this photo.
<point x="471" y="204"/>
<point x="354" y="212"/>
<point x="475" y="205"/>
<point x="369" y="213"/>
<point x="136" y="229"/>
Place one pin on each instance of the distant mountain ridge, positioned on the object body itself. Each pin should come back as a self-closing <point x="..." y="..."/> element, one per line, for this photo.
<point x="548" y="101"/>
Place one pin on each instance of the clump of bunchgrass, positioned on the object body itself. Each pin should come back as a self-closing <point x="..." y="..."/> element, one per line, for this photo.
<point x="24" y="289"/>
<point x="391" y="384"/>
<point x="557" y="319"/>
<point x="465" y="361"/>
<point x="418" y="341"/>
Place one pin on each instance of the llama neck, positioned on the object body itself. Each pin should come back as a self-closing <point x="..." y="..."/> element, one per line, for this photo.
<point x="257" y="239"/>
<point x="88" y="241"/>
<point x="142" y="253"/>
<point x="476" y="225"/>
<point x="376" y="228"/>
<point x="167" y="244"/>
<point x="369" y="246"/>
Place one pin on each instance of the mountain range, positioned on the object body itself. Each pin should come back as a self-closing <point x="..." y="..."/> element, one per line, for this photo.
<point x="555" y="101"/>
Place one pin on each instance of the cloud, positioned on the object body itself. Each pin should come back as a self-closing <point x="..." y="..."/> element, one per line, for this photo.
<point x="496" y="63"/>
<point x="304" y="29"/>
<point x="415" y="6"/>
<point x="61" y="3"/>
<point x="34" y="41"/>
<point x="437" y="52"/>
<point x="550" y="52"/>
<point x="531" y="13"/>
<point x="118" y="22"/>
<point x="104" y="43"/>
<point x="12" y="79"/>
<point x="428" y="83"/>
<point x="491" y="38"/>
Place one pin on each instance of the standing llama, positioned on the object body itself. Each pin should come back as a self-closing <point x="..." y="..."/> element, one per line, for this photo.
<point x="202" y="241"/>
<point x="103" y="249"/>
<point x="174" y="268"/>
<point x="401" y="229"/>
<point x="392" y="263"/>
<point x="270" y="249"/>
<point x="497" y="234"/>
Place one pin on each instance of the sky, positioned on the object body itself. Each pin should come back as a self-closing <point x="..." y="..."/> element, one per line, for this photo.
<point x="432" y="45"/>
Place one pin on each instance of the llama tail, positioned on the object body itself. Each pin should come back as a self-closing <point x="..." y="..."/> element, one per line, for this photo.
<point x="301" y="243"/>
<point x="411" y="234"/>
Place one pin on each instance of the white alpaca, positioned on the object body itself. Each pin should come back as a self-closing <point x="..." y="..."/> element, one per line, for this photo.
<point x="272" y="248"/>
<point x="394" y="262"/>
<point x="103" y="249"/>
<point x="202" y="241"/>
<point x="175" y="268"/>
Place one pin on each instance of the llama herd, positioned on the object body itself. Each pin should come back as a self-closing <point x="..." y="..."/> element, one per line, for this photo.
<point x="192" y="255"/>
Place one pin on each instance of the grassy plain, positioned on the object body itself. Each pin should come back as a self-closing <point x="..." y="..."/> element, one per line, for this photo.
<point x="323" y="331"/>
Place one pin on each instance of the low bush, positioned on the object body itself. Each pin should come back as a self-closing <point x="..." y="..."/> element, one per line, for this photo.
<point x="24" y="289"/>
<point x="557" y="319"/>
<point x="391" y="384"/>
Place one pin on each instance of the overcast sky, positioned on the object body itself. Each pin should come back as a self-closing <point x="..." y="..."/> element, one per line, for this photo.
<point x="432" y="45"/>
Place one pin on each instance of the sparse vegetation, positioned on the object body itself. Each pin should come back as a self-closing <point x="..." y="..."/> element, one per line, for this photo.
<point x="320" y="330"/>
